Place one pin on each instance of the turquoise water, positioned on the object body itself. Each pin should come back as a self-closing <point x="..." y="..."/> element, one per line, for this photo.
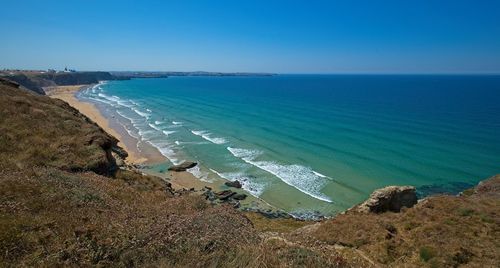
<point x="318" y="142"/>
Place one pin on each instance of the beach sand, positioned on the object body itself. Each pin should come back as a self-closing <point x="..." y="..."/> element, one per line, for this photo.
<point x="147" y="154"/>
<point x="67" y="94"/>
<point x="179" y="180"/>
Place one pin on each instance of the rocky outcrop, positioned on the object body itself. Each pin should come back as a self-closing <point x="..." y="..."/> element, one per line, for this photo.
<point x="489" y="187"/>
<point x="183" y="166"/>
<point x="391" y="198"/>
<point x="235" y="184"/>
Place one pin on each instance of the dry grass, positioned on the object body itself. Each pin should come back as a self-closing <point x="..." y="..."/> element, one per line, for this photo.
<point x="442" y="231"/>
<point x="39" y="131"/>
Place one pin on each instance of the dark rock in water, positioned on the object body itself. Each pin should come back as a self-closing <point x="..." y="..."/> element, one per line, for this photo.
<point x="225" y="195"/>
<point x="235" y="184"/>
<point x="391" y="198"/>
<point x="239" y="196"/>
<point x="183" y="167"/>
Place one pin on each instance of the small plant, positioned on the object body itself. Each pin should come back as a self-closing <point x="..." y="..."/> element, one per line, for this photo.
<point x="465" y="212"/>
<point x="427" y="253"/>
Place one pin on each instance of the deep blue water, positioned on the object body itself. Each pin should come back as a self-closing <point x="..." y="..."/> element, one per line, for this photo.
<point x="319" y="142"/>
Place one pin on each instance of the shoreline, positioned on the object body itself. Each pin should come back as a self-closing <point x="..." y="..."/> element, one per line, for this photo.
<point x="148" y="156"/>
<point x="67" y="94"/>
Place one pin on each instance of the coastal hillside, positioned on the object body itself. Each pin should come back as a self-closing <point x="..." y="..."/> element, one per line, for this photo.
<point x="37" y="80"/>
<point x="65" y="200"/>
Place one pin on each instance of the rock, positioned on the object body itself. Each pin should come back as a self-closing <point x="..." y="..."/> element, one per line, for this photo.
<point x="210" y="196"/>
<point x="391" y="198"/>
<point x="239" y="196"/>
<point x="225" y="195"/>
<point x="183" y="166"/>
<point x="235" y="184"/>
<point x="206" y="188"/>
<point x="489" y="187"/>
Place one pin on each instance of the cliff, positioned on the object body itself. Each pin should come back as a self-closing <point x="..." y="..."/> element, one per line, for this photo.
<point x="64" y="202"/>
<point x="35" y="81"/>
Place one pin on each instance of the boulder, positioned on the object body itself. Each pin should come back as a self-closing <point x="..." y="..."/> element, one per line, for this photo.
<point x="235" y="184"/>
<point x="239" y="196"/>
<point x="183" y="166"/>
<point x="391" y="198"/>
<point x="225" y="195"/>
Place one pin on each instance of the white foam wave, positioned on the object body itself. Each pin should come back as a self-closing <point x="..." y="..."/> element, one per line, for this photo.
<point x="301" y="178"/>
<point x="154" y="127"/>
<point x="158" y="122"/>
<point x="206" y="135"/>
<point x="176" y="123"/>
<point x="166" y="132"/>
<point x="196" y="171"/>
<point x="244" y="153"/>
<point x="143" y="114"/>
<point x="248" y="184"/>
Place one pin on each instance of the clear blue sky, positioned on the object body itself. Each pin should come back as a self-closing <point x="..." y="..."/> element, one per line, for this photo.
<point x="257" y="36"/>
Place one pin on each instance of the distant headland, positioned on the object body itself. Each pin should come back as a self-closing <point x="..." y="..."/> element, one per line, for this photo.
<point x="35" y="80"/>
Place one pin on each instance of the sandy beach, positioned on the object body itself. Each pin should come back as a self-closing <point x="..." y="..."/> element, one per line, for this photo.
<point x="179" y="180"/>
<point x="147" y="155"/>
<point x="67" y="94"/>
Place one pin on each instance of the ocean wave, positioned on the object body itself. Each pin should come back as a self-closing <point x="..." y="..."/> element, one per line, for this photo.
<point x="143" y="114"/>
<point x="191" y="142"/>
<point x="158" y="122"/>
<point x="166" y="132"/>
<point x="244" y="153"/>
<point x="248" y="184"/>
<point x="196" y="171"/>
<point x="110" y="98"/>
<point x="167" y="150"/>
<point x="206" y="135"/>
<point x="176" y="123"/>
<point x="300" y="177"/>
<point x="154" y="127"/>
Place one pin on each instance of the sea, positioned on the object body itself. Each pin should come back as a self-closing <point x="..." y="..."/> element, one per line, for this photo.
<point x="317" y="143"/>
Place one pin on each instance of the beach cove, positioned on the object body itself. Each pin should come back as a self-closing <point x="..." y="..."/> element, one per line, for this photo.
<point x="144" y="156"/>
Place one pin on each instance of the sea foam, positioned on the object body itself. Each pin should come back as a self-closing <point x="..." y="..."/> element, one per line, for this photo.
<point x="301" y="178"/>
<point x="248" y="183"/>
<point x="206" y="135"/>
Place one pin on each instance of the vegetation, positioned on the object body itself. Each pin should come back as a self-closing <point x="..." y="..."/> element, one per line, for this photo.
<point x="63" y="202"/>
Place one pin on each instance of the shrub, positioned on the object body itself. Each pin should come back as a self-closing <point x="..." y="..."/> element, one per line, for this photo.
<point x="427" y="253"/>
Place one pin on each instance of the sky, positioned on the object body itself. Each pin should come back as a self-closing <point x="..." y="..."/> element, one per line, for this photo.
<point x="253" y="36"/>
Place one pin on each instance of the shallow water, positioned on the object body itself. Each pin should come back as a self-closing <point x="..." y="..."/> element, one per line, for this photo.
<point x="318" y="142"/>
